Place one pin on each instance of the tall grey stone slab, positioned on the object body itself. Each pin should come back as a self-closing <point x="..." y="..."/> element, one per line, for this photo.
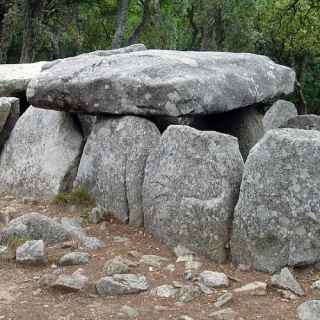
<point x="41" y="155"/>
<point x="113" y="162"/>
<point x="191" y="186"/>
<point x="277" y="218"/>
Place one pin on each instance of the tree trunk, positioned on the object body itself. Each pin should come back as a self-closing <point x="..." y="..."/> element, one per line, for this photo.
<point x="6" y="28"/>
<point x="32" y="21"/>
<point x="122" y="24"/>
<point x="144" y="21"/>
<point x="300" y="66"/>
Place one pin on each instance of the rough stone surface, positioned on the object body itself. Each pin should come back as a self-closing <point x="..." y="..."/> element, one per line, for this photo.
<point x="120" y="284"/>
<point x="113" y="162"/>
<point x="41" y="155"/>
<point x="32" y="252"/>
<point x="246" y="124"/>
<point x="190" y="189"/>
<point x="16" y="77"/>
<point x="160" y="82"/>
<point x="9" y="114"/>
<point x="277" y="221"/>
<point x="305" y="122"/>
<point x="74" y="258"/>
<point x="213" y="279"/>
<point x="153" y="260"/>
<point x="280" y="112"/>
<point x="98" y="53"/>
<point x="74" y="282"/>
<point x="35" y="226"/>
<point x="223" y="300"/>
<point x="286" y="280"/>
<point x="309" y="310"/>
<point x="188" y="293"/>
<point x="256" y="288"/>
<point x="164" y="291"/>
<point x="117" y="265"/>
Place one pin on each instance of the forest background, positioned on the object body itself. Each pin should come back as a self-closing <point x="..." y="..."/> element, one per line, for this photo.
<point x="288" y="31"/>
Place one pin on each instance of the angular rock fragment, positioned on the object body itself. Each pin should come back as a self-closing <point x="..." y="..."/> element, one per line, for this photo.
<point x="120" y="284"/>
<point x="32" y="252"/>
<point x="256" y="288"/>
<point x="286" y="280"/>
<point x="73" y="282"/>
<point x="213" y="279"/>
<point x="74" y="258"/>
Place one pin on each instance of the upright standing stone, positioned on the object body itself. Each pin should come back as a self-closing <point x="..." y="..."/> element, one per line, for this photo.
<point x="9" y="114"/>
<point x="191" y="186"/>
<point x="277" y="218"/>
<point x="305" y="122"/>
<point x="280" y="112"/>
<point x="42" y="154"/>
<point x="113" y="162"/>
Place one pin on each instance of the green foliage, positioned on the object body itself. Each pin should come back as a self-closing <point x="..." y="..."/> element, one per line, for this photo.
<point x="285" y="30"/>
<point x="78" y="196"/>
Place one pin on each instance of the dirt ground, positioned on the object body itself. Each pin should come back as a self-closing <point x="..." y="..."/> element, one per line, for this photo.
<point x="22" y="299"/>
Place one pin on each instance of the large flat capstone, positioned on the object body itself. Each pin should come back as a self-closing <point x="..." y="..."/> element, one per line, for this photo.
<point x="160" y="82"/>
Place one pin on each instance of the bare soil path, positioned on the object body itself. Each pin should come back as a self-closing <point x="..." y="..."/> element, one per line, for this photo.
<point x="22" y="299"/>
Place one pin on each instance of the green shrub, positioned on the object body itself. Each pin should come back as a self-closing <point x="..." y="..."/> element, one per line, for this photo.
<point x="79" y="196"/>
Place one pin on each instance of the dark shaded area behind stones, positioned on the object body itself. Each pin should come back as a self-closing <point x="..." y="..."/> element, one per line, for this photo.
<point x="220" y="122"/>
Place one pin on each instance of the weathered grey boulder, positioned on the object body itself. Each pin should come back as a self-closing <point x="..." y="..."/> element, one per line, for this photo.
<point x="160" y="82"/>
<point x="73" y="282"/>
<point x="309" y="310"/>
<point x="35" y="226"/>
<point x="15" y="78"/>
<point x="305" y="122"/>
<point x="120" y="284"/>
<point x="41" y="155"/>
<point x="74" y="258"/>
<point x="191" y="186"/>
<point x="113" y="162"/>
<point x="280" y="112"/>
<point x="32" y="252"/>
<point x="277" y="218"/>
<point x="9" y="114"/>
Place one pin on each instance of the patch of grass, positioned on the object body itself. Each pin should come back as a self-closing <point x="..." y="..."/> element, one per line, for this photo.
<point x="13" y="242"/>
<point x="78" y="196"/>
